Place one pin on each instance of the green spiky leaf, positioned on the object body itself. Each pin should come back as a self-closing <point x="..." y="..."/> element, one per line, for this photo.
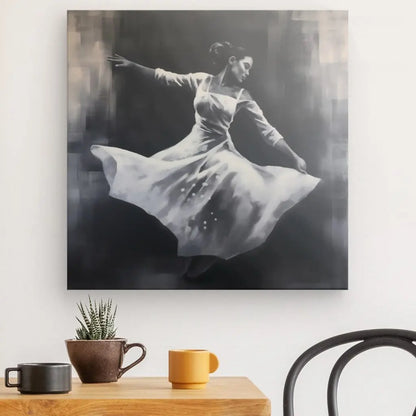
<point x="98" y="320"/>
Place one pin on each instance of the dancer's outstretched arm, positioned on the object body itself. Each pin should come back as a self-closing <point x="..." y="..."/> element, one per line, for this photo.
<point x="165" y="78"/>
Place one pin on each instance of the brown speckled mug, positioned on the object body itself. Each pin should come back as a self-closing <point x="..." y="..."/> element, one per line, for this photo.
<point x="100" y="361"/>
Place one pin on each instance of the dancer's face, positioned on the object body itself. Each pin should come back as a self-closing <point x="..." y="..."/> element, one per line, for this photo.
<point x="240" y="68"/>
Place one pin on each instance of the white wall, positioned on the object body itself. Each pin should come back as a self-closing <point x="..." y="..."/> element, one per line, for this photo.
<point x="271" y="327"/>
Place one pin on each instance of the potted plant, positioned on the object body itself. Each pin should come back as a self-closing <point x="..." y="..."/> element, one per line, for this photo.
<point x="96" y="353"/>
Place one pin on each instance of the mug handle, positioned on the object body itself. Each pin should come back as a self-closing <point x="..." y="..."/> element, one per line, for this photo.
<point x="213" y="362"/>
<point x="141" y="358"/>
<point x="6" y="376"/>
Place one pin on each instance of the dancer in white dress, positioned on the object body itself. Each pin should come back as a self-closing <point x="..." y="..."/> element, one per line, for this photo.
<point x="217" y="203"/>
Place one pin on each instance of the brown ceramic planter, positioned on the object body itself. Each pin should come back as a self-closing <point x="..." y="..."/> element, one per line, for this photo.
<point x="100" y="361"/>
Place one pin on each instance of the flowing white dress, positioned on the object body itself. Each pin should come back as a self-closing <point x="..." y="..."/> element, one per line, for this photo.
<point x="214" y="200"/>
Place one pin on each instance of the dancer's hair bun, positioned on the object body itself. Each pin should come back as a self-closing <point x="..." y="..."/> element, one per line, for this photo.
<point x="220" y="52"/>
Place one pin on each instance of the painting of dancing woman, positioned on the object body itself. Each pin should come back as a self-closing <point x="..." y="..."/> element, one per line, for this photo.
<point x="213" y="199"/>
<point x="207" y="149"/>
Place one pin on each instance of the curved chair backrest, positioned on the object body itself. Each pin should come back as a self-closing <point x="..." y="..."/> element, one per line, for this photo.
<point x="370" y="339"/>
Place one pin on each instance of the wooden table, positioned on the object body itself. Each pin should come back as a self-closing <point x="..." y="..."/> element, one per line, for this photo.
<point x="147" y="396"/>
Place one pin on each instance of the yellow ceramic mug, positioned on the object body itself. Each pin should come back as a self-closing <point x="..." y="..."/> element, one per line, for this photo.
<point x="190" y="369"/>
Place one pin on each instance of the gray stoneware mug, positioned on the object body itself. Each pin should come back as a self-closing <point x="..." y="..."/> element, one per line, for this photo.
<point x="41" y="378"/>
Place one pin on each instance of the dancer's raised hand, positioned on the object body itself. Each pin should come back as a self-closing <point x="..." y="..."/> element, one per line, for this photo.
<point x="119" y="61"/>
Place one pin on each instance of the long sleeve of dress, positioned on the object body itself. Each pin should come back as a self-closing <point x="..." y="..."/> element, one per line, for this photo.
<point x="170" y="79"/>
<point x="254" y="112"/>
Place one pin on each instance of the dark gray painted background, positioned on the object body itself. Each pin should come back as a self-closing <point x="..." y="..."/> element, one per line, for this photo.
<point x="299" y="79"/>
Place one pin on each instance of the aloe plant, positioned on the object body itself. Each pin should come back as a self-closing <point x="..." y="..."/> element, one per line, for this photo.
<point x="97" y="320"/>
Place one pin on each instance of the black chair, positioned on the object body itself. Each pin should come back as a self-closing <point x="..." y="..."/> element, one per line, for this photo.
<point x="370" y="339"/>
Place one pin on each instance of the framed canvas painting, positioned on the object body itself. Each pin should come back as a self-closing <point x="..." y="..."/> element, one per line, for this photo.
<point x="207" y="150"/>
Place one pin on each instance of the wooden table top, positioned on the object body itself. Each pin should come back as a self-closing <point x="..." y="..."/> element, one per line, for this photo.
<point x="147" y="396"/>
